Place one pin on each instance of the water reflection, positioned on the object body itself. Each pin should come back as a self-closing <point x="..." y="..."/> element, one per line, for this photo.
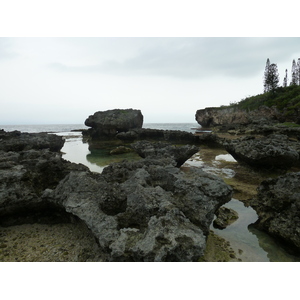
<point x="274" y="251"/>
<point x="96" y="159"/>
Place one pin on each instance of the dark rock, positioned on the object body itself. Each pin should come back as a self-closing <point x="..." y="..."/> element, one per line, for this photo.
<point x="278" y="207"/>
<point x="106" y="124"/>
<point x="143" y="211"/>
<point x="146" y="210"/>
<point x="160" y="150"/>
<point x="177" y="136"/>
<point x="225" y="216"/>
<point x="17" y="141"/>
<point x="273" y="151"/>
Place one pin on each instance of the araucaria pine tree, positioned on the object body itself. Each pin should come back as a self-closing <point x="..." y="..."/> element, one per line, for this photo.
<point x="285" y="80"/>
<point x="298" y="71"/>
<point x="294" y="73"/>
<point x="266" y="87"/>
<point x="271" y="77"/>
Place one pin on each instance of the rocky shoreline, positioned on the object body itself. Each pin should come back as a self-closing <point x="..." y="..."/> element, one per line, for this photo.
<point x="146" y="210"/>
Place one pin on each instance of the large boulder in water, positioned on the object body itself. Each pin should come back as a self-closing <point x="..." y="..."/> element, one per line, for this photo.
<point x="106" y="124"/>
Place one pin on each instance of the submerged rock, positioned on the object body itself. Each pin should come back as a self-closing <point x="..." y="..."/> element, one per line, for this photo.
<point x="225" y="216"/>
<point x="273" y="151"/>
<point x="106" y="124"/>
<point x="278" y="207"/>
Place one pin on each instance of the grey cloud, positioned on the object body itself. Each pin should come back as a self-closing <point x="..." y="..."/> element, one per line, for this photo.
<point x="198" y="57"/>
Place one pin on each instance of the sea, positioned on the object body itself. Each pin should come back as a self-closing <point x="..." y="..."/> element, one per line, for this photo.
<point x="253" y="245"/>
<point x="53" y="128"/>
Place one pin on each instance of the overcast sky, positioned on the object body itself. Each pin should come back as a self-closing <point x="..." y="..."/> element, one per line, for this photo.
<point x="64" y="80"/>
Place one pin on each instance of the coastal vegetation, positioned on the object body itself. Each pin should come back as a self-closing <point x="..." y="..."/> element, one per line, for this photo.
<point x="285" y="99"/>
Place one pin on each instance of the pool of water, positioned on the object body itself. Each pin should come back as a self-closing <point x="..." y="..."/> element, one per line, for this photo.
<point x="249" y="244"/>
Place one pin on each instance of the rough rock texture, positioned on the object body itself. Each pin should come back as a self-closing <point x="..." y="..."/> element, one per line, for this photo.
<point x="278" y="207"/>
<point x="106" y="124"/>
<point x="146" y="210"/>
<point x="225" y="216"/>
<point x="27" y="168"/>
<point x="17" y="141"/>
<point x="273" y="151"/>
<point x="155" y="150"/>
<point x="157" y="135"/>
<point x="214" y="116"/>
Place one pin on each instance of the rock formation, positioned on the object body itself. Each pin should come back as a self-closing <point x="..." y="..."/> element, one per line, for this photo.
<point x="278" y="207"/>
<point x="273" y="151"/>
<point x="146" y="210"/>
<point x="165" y="150"/>
<point x="106" y="124"/>
<point x="177" y="136"/>
<point x="215" y="116"/>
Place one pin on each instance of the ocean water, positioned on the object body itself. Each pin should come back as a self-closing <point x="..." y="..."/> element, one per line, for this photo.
<point x="54" y="128"/>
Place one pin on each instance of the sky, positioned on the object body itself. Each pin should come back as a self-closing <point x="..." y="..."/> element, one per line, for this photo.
<point x="64" y="80"/>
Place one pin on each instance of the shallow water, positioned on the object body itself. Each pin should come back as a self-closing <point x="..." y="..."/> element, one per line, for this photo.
<point x="249" y="244"/>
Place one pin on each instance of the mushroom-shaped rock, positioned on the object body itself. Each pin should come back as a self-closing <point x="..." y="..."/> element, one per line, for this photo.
<point x="106" y="124"/>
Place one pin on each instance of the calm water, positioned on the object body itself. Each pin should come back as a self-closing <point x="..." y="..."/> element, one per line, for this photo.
<point x="249" y="243"/>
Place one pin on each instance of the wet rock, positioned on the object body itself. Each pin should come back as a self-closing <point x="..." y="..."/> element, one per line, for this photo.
<point x="225" y="217"/>
<point x="273" y="151"/>
<point x="106" y="124"/>
<point x="120" y="150"/>
<point x="278" y="207"/>
<point x="160" y="150"/>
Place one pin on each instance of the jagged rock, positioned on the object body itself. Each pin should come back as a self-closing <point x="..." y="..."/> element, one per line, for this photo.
<point x="216" y="116"/>
<point x="225" y="216"/>
<point x="158" y="135"/>
<point x="160" y="149"/>
<point x="273" y="151"/>
<point x="17" y="141"/>
<point x="106" y="124"/>
<point x="144" y="211"/>
<point x="278" y="207"/>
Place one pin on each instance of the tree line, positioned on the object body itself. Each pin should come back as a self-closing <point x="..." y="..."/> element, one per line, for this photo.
<point x="271" y="76"/>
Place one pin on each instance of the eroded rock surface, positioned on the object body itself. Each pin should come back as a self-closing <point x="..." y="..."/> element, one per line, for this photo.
<point x="106" y="124"/>
<point x="273" y="151"/>
<point x="160" y="150"/>
<point x="278" y="207"/>
<point x="145" y="210"/>
<point x="215" y="116"/>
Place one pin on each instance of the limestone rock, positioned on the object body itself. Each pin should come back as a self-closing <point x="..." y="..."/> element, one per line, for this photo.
<point x="225" y="217"/>
<point x="179" y="153"/>
<point x="273" y="151"/>
<point x="106" y="124"/>
<point x="278" y="207"/>
<point x="214" y="116"/>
